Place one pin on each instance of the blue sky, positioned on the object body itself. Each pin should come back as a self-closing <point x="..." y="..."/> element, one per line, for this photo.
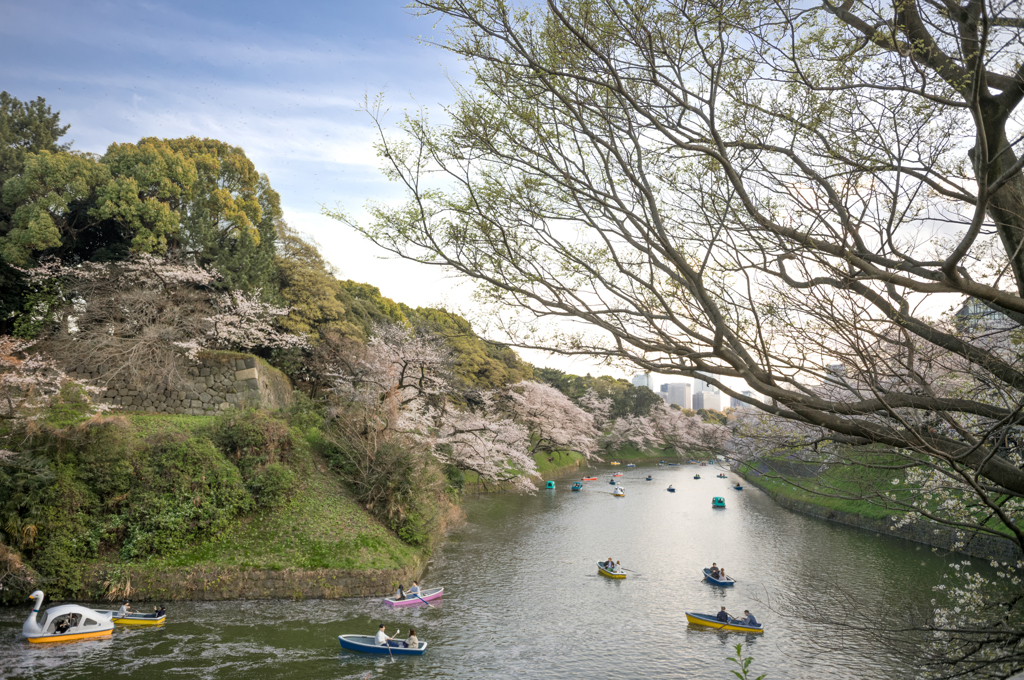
<point x="281" y="80"/>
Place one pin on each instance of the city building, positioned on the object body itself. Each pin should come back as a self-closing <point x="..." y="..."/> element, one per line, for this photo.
<point x="644" y="380"/>
<point x="711" y="401"/>
<point x="677" y="393"/>
<point x="701" y="386"/>
<point x="736" y="403"/>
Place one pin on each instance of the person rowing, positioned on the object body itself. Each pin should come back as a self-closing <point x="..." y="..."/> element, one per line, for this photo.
<point x="714" y="570"/>
<point x="723" y="616"/>
<point x="384" y="640"/>
<point x="414" y="589"/>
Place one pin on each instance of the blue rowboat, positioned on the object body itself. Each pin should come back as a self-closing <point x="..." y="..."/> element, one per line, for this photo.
<point x="578" y="486"/>
<point x="368" y="643"/>
<point x="649" y="478"/>
<point x="630" y="464"/>
<point x="712" y="622"/>
<point x="738" y="487"/>
<point x="671" y="490"/>
<point x="612" y="481"/>
<point x="727" y="581"/>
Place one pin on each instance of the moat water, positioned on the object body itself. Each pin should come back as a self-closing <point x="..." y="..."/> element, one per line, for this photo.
<point x="523" y="598"/>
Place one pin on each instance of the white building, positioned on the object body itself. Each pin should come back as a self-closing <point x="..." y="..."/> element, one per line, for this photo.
<point x="711" y="401"/>
<point x="701" y="386"/>
<point x="677" y="393"/>
<point x="644" y="380"/>
<point x="736" y="403"/>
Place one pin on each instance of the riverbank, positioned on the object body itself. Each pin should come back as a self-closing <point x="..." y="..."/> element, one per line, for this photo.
<point x="864" y="515"/>
<point x="163" y="507"/>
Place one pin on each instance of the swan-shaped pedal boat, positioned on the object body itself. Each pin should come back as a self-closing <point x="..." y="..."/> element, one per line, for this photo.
<point x="64" y="623"/>
<point x="619" y="491"/>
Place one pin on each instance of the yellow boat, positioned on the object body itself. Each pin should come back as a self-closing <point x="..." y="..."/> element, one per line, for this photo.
<point x="710" y="621"/>
<point x="610" y="574"/>
<point x="615" y="462"/>
<point x="133" y="618"/>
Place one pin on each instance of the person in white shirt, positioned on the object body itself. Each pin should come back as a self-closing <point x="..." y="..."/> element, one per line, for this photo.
<point x="414" y="589"/>
<point x="382" y="638"/>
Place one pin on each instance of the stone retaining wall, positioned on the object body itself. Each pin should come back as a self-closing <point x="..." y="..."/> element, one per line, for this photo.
<point x="929" y="533"/>
<point x="216" y="383"/>
<point x="227" y="583"/>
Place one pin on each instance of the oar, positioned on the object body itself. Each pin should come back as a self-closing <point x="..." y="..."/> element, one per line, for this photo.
<point x="423" y="601"/>
<point x="387" y="643"/>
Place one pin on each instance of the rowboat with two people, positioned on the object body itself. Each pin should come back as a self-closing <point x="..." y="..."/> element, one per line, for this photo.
<point x="590" y="479"/>
<point x="610" y="569"/>
<point x="720" y="580"/>
<point x="732" y="625"/>
<point x="413" y="597"/>
<point x="368" y="643"/>
<point x="649" y="478"/>
<point x="577" y="486"/>
<point x="617" y="474"/>
<point x="721" y="476"/>
<point x="696" y="476"/>
<point x="630" y="464"/>
<point x="64" y="623"/>
<point x="615" y="462"/>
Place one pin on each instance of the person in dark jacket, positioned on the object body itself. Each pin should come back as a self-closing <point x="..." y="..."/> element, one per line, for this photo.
<point x="723" y="616"/>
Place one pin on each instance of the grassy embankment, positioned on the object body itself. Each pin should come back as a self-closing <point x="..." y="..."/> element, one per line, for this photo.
<point x="131" y="494"/>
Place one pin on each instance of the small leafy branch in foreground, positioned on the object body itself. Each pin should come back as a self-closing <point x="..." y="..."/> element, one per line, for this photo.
<point x="744" y="663"/>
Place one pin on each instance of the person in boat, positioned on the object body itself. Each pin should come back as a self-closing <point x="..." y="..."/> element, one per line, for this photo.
<point x="401" y="593"/>
<point x="748" y="619"/>
<point x="414" y="589"/>
<point x="723" y="616"/>
<point x="721" y="574"/>
<point x="412" y="640"/>
<point x="64" y="625"/>
<point x="609" y="565"/>
<point x="714" y="570"/>
<point x="670" y="487"/>
<point x="382" y="638"/>
<point x="124" y="610"/>
<point x="159" y="611"/>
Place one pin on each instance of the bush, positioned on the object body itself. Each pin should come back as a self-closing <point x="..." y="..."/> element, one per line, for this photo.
<point x="271" y="486"/>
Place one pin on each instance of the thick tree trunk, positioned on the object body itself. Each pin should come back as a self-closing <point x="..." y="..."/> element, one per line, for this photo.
<point x="1006" y="205"/>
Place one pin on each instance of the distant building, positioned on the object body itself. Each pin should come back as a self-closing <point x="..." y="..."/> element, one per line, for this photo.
<point x="710" y="401"/>
<point x="677" y="393"/>
<point x="736" y="403"/>
<point x="975" y="315"/>
<point x="644" y="380"/>
<point x="836" y="370"/>
<point x="701" y="386"/>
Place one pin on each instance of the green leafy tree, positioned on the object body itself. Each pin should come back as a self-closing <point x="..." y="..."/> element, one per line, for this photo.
<point x="481" y="364"/>
<point x="366" y="307"/>
<point x="309" y="287"/>
<point x="26" y="128"/>
<point x="227" y="219"/>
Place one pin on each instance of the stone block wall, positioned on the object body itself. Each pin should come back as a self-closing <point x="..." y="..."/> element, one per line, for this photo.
<point x="216" y="383"/>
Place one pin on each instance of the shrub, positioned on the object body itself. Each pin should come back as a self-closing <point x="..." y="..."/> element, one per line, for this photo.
<point x="272" y="485"/>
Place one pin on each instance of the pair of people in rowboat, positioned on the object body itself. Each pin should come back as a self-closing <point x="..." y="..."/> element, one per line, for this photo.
<point x="747" y="620"/>
<point x="384" y="640"/>
<point x="414" y="591"/>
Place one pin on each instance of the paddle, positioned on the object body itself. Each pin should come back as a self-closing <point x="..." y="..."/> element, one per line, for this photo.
<point x="423" y="601"/>
<point x="388" y="644"/>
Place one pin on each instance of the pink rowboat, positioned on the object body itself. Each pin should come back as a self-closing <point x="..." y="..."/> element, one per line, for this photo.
<point x="428" y="595"/>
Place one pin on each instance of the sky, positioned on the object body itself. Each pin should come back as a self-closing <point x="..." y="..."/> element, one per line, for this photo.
<point x="284" y="81"/>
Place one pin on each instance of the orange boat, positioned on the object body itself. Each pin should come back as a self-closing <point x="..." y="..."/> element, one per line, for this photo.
<point x="590" y="479"/>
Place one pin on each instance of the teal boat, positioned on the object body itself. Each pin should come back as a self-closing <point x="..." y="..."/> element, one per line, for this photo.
<point x="718" y="502"/>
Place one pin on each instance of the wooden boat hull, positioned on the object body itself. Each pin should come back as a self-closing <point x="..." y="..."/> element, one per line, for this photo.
<point x="70" y="637"/>
<point x="429" y="595"/>
<point x="727" y="581"/>
<point x="133" y="619"/>
<point x="367" y="643"/>
<point x="712" y="622"/>
<point x="604" y="572"/>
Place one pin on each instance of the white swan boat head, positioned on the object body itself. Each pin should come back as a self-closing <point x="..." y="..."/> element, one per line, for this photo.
<point x="63" y="623"/>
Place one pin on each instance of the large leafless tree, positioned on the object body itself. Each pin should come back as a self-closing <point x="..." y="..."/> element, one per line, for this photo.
<point x="747" y="189"/>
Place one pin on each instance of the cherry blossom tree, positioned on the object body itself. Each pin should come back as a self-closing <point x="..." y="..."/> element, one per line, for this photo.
<point x="137" y="318"/>
<point x="556" y="424"/>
